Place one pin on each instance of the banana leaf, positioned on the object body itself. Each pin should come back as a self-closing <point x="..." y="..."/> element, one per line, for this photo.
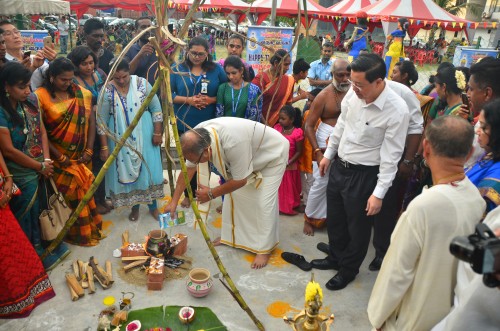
<point x="153" y="317"/>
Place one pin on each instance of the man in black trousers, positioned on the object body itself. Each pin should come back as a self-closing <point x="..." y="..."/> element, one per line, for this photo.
<point x="368" y="140"/>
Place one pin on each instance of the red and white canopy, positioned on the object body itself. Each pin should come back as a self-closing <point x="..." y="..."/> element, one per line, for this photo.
<point x="349" y="8"/>
<point x="214" y="5"/>
<point x="418" y="10"/>
<point x="290" y="8"/>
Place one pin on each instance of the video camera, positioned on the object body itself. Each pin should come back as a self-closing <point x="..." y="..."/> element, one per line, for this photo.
<point x="482" y="250"/>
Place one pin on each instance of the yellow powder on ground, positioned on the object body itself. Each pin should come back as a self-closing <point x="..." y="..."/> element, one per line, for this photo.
<point x="106" y="226"/>
<point x="274" y="260"/>
<point x="297" y="249"/>
<point x="278" y="309"/>
<point x="217" y="223"/>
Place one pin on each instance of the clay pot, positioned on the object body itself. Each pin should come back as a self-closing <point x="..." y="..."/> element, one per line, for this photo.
<point x="157" y="242"/>
<point x="199" y="283"/>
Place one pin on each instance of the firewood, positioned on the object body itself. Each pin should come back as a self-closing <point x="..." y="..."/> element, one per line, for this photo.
<point x="74" y="296"/>
<point x="133" y="265"/>
<point x="103" y="279"/>
<point x="134" y="258"/>
<point x="76" y="270"/>
<point x="90" y="279"/>
<point x="106" y="279"/>
<point x="125" y="239"/>
<point x="104" y="286"/>
<point x="73" y="282"/>
<point x="109" y="271"/>
<point x="83" y="274"/>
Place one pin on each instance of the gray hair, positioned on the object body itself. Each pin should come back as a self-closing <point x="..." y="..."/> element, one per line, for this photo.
<point x="195" y="141"/>
<point x="450" y="136"/>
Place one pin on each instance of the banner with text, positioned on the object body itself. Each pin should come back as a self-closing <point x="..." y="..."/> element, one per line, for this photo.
<point x="33" y="39"/>
<point x="271" y="36"/>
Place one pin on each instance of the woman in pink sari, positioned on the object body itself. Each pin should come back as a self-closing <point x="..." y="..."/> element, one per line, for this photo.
<point x="276" y="87"/>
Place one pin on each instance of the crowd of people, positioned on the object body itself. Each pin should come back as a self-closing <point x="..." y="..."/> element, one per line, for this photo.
<point x="351" y="145"/>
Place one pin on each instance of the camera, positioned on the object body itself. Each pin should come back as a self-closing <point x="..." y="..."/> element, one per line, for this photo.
<point x="482" y="250"/>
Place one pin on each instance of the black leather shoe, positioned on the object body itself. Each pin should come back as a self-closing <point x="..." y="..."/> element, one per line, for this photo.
<point x="324" y="264"/>
<point x="376" y="263"/>
<point x="338" y="282"/>
<point x="323" y="247"/>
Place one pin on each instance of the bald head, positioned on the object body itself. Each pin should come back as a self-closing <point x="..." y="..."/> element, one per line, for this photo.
<point x="339" y="65"/>
<point x="195" y="141"/>
<point x="450" y="137"/>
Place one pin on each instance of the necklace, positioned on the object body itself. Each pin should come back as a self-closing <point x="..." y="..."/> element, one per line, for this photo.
<point x="461" y="174"/>
<point x="62" y="100"/>
<point x="336" y="96"/>
<point x="288" y="131"/>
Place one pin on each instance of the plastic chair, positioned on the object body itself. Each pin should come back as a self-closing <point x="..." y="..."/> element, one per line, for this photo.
<point x="420" y="59"/>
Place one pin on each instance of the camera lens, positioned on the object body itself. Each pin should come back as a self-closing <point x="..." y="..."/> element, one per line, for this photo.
<point x="462" y="249"/>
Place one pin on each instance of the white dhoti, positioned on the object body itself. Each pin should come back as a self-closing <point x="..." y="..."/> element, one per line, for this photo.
<point x="316" y="201"/>
<point x="250" y="215"/>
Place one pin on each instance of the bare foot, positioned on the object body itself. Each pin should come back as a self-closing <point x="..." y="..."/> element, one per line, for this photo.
<point x="219" y="209"/>
<point x="185" y="203"/>
<point x="300" y="209"/>
<point x="134" y="215"/>
<point x="155" y="213"/>
<point x="260" y="261"/>
<point x="308" y="229"/>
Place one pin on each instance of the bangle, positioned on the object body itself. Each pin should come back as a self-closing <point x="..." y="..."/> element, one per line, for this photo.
<point x="43" y="166"/>
<point x="317" y="150"/>
<point x="210" y="194"/>
<point x="157" y="134"/>
<point x="47" y="160"/>
<point x="88" y="151"/>
<point x="61" y="158"/>
<point x="104" y="148"/>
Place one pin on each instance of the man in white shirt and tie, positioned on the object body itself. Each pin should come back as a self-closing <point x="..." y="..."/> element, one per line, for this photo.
<point x="369" y="140"/>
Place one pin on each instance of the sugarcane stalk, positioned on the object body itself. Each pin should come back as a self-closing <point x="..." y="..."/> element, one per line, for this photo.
<point x="100" y="176"/>
<point x="234" y="291"/>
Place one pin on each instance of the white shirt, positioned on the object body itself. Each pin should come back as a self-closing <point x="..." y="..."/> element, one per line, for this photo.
<point x="63" y="27"/>
<point x="416" y="125"/>
<point x="372" y="134"/>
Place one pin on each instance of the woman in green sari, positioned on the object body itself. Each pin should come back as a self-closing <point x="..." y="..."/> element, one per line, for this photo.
<point x="24" y="144"/>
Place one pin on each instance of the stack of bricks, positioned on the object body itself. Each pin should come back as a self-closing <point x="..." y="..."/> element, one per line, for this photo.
<point x="133" y="249"/>
<point x="156" y="274"/>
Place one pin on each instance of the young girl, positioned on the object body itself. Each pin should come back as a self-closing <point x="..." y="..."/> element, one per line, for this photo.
<point x="290" y="123"/>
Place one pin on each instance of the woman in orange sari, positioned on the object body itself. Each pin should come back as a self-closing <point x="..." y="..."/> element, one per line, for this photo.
<point x="276" y="87"/>
<point x="71" y="126"/>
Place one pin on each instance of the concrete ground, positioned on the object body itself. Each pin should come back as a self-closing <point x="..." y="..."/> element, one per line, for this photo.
<point x="271" y="292"/>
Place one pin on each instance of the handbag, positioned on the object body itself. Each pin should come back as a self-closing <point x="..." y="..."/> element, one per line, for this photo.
<point x="53" y="219"/>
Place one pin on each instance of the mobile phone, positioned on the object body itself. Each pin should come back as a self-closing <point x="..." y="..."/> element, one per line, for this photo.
<point x="465" y="99"/>
<point x="47" y="41"/>
<point x="26" y="54"/>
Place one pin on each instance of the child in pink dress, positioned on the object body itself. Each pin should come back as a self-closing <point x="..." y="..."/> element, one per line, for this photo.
<point x="289" y="124"/>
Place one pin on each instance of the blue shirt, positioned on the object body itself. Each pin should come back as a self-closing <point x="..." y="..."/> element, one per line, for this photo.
<point x="147" y="67"/>
<point x="320" y="71"/>
<point x="185" y="84"/>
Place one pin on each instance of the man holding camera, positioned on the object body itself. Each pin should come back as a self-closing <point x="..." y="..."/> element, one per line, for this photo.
<point x="415" y="285"/>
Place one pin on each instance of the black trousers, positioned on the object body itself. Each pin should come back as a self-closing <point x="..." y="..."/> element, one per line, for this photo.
<point x="349" y="229"/>
<point x="385" y="221"/>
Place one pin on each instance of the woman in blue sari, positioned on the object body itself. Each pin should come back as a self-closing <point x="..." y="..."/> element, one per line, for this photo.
<point x="88" y="76"/>
<point x="24" y="145"/>
<point x="136" y="176"/>
<point x="485" y="173"/>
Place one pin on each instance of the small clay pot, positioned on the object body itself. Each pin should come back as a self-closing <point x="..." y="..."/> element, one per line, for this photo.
<point x="157" y="241"/>
<point x="199" y="283"/>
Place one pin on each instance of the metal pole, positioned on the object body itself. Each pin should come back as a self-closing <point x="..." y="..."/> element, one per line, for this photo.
<point x="273" y="12"/>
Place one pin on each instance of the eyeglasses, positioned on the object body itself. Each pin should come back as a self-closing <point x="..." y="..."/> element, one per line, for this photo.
<point x="201" y="155"/>
<point x="355" y="85"/>
<point x="8" y="33"/>
<point x="198" y="55"/>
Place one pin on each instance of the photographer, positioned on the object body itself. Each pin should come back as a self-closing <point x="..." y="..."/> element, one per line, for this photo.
<point x="476" y="305"/>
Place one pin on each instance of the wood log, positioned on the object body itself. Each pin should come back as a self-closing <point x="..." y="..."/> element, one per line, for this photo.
<point x="125" y="239"/>
<point x="106" y="279"/>
<point x="99" y="273"/>
<point x="74" y="296"/>
<point x="134" y="258"/>
<point x="109" y="271"/>
<point x="82" y="267"/>
<point x="73" y="282"/>
<point x="90" y="279"/>
<point x="133" y="265"/>
<point x="76" y="269"/>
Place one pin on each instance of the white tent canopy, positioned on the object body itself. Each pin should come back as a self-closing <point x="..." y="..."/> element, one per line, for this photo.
<point x="33" y="7"/>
